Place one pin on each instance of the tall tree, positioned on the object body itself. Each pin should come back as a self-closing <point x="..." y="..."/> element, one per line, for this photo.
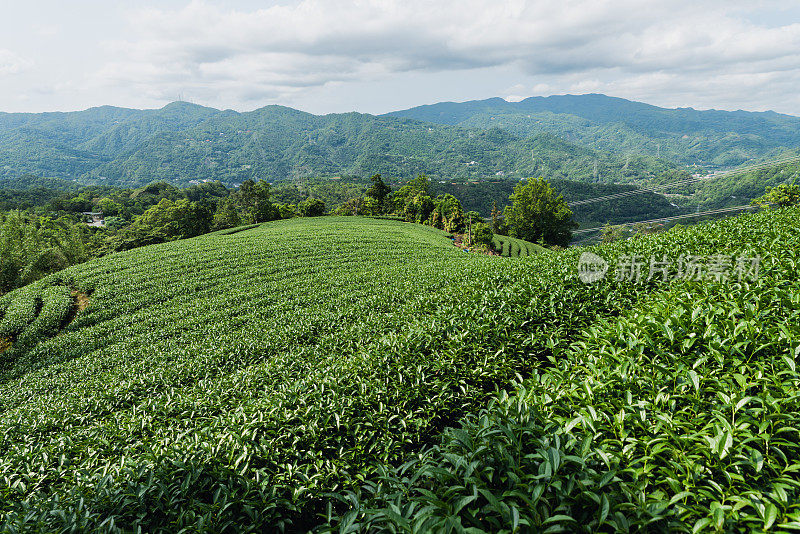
<point x="538" y="214"/>
<point x="413" y="200"/>
<point x="447" y="213"/>
<point x="226" y="215"/>
<point x="311" y="207"/>
<point x="780" y="196"/>
<point x="254" y="199"/>
<point x="379" y="191"/>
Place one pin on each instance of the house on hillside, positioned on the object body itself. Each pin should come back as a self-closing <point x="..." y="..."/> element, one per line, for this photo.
<point x="94" y="218"/>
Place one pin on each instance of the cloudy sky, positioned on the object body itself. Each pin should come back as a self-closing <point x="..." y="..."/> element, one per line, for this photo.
<point x="376" y="56"/>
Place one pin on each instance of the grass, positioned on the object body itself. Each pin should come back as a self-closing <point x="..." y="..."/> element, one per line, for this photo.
<point x="348" y="373"/>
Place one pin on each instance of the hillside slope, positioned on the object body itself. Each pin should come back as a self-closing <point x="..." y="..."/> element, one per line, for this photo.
<point x="267" y="379"/>
<point x="272" y="365"/>
<point x="587" y="138"/>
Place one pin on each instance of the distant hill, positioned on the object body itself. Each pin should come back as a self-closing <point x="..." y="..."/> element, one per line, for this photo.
<point x="683" y="135"/>
<point x="182" y="142"/>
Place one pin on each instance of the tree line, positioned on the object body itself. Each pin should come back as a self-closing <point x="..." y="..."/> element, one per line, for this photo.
<point x="537" y="213"/>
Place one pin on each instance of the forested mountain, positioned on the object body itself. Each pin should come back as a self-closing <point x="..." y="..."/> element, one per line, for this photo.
<point x="182" y="142"/>
<point x="684" y="135"/>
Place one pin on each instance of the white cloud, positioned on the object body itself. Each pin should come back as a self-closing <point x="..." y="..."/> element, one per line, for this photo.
<point x="270" y="54"/>
<point x="377" y="55"/>
<point x="11" y="63"/>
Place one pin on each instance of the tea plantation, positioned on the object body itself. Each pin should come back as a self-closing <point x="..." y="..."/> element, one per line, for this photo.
<point x="364" y="375"/>
<point x="511" y="247"/>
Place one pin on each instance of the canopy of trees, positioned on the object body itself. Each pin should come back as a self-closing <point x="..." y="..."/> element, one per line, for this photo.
<point x="32" y="247"/>
<point x="311" y="207"/>
<point x="166" y="221"/>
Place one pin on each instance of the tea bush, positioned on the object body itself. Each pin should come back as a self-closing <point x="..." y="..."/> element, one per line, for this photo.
<point x="513" y="247"/>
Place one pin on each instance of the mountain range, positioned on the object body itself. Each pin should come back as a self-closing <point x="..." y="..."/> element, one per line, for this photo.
<point x="687" y="136"/>
<point x="593" y="138"/>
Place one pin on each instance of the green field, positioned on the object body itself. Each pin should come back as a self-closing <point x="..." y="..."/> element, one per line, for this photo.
<point x="349" y="374"/>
